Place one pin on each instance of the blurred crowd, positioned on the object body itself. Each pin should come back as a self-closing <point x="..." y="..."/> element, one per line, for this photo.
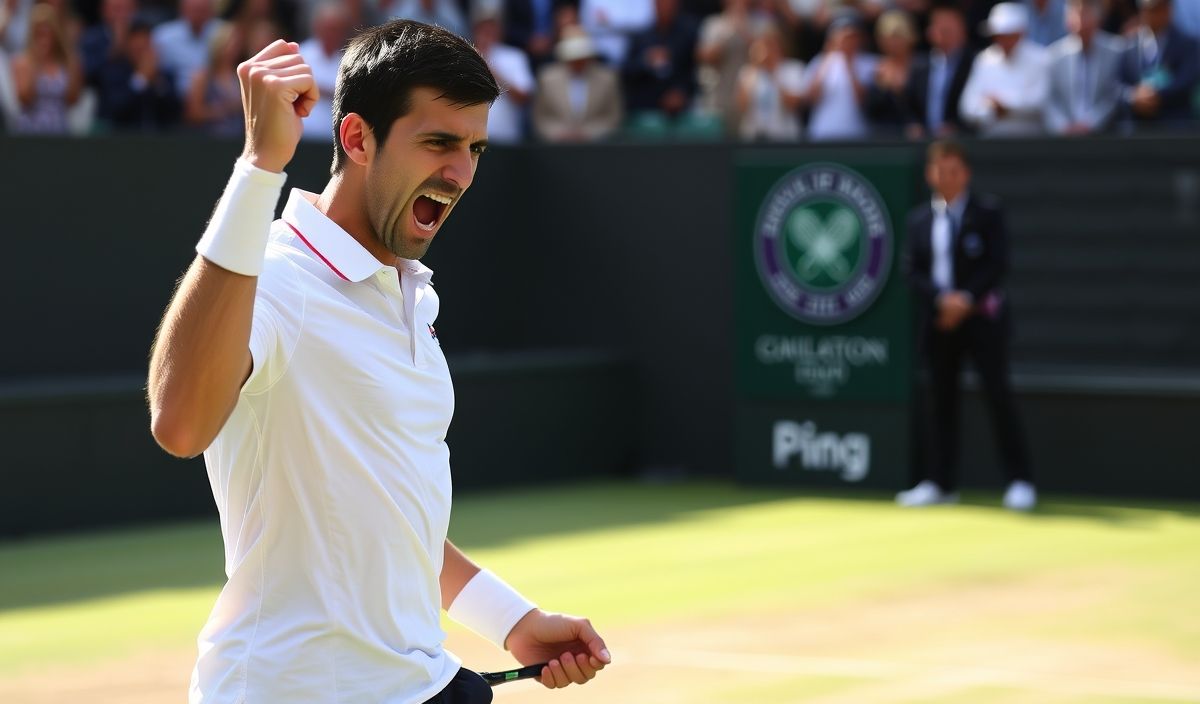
<point x="582" y="70"/>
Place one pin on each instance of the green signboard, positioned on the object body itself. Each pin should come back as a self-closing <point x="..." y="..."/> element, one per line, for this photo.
<point x="823" y="319"/>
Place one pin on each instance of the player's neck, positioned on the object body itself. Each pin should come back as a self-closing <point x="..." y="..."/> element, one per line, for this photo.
<point x="342" y="201"/>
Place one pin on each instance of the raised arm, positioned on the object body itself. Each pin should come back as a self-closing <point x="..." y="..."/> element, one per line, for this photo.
<point x="201" y="355"/>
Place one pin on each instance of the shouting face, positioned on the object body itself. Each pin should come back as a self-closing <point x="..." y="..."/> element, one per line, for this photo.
<point x="422" y="169"/>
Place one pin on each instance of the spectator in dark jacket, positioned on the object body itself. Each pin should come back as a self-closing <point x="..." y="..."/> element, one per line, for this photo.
<point x="936" y="82"/>
<point x="1159" y="69"/>
<point x="135" y="93"/>
<point x="103" y="40"/>
<point x="660" y="68"/>
<point x="531" y="25"/>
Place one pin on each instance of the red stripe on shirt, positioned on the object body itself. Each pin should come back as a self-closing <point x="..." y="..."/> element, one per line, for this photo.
<point x="317" y="252"/>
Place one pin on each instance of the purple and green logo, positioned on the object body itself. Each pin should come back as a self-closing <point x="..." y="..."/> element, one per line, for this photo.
<point x="823" y="244"/>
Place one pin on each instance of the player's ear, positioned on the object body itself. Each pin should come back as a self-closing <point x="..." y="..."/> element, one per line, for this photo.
<point x="358" y="140"/>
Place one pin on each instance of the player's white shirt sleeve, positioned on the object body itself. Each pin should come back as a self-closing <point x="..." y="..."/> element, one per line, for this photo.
<point x="279" y="307"/>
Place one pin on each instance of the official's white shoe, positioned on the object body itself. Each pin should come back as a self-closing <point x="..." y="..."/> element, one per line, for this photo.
<point x="1021" y="496"/>
<point x="927" y="493"/>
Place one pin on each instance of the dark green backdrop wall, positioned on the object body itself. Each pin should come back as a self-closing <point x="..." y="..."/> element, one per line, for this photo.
<point x="626" y="249"/>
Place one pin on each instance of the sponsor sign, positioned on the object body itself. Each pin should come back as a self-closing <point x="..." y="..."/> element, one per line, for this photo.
<point x="822" y="316"/>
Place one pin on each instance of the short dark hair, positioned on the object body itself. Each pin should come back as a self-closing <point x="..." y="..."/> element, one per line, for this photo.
<point x="382" y="65"/>
<point x="947" y="147"/>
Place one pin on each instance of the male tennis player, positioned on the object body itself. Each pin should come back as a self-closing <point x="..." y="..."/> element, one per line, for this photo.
<point x="300" y="357"/>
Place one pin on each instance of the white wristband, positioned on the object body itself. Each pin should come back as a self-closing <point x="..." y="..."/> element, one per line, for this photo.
<point x="488" y="606"/>
<point x="236" y="237"/>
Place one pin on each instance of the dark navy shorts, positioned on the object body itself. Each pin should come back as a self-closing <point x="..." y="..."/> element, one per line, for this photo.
<point x="467" y="687"/>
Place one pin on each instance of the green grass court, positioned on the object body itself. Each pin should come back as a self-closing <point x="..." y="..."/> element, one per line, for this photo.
<point x="706" y="593"/>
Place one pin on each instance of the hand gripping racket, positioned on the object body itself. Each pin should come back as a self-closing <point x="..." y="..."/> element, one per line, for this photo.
<point x="524" y="673"/>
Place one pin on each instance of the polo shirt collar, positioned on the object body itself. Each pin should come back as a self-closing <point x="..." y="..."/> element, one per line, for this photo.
<point x="333" y="246"/>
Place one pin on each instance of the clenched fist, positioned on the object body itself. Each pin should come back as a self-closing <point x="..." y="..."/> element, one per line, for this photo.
<point x="278" y="91"/>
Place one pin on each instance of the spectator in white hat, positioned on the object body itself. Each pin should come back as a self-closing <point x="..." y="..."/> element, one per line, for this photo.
<point x="1006" y="92"/>
<point x="578" y="98"/>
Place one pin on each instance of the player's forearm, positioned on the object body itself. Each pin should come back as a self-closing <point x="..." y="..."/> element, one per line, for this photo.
<point x="457" y="570"/>
<point x="478" y="599"/>
<point x="201" y="357"/>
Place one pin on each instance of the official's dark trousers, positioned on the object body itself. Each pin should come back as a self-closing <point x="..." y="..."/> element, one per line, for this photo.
<point x="985" y="341"/>
<point x="467" y="687"/>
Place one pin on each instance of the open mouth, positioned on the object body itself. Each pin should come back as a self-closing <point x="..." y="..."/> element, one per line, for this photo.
<point x="429" y="209"/>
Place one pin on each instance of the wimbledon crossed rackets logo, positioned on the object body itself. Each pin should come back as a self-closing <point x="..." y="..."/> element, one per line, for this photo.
<point x="823" y="244"/>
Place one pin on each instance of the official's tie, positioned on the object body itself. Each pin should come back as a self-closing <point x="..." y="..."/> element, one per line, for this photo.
<point x="942" y="235"/>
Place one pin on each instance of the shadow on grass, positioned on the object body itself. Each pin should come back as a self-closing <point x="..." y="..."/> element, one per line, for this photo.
<point x="45" y="571"/>
<point x="53" y="570"/>
<point x="493" y="519"/>
<point x="66" y="568"/>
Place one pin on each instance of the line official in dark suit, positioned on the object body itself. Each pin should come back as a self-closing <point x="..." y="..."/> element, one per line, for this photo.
<point x="957" y="260"/>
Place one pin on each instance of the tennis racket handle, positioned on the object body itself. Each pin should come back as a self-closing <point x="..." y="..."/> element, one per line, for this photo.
<point x="525" y="673"/>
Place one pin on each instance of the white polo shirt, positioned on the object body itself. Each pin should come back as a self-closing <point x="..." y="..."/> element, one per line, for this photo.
<point x="332" y="478"/>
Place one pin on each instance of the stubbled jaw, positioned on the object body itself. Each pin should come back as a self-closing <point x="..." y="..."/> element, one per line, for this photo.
<point x="429" y="210"/>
